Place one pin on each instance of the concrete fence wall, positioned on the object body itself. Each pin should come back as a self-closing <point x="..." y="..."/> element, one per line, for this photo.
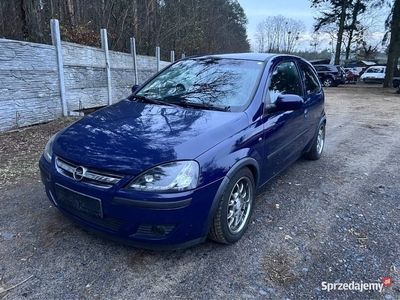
<point x="30" y="89"/>
<point x="86" y="78"/>
<point x="29" y="85"/>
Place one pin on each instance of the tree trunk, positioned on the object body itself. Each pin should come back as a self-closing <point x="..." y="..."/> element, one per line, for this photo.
<point x="394" y="46"/>
<point x="70" y="12"/>
<point x="24" y="20"/>
<point x="348" y="46"/>
<point x="135" y="18"/>
<point x="353" y="26"/>
<point x="340" y="33"/>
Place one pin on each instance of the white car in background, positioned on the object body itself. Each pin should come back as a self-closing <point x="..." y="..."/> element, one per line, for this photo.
<point x="374" y="74"/>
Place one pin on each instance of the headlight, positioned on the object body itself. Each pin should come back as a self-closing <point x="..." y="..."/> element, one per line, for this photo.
<point x="169" y="177"/>
<point x="48" y="150"/>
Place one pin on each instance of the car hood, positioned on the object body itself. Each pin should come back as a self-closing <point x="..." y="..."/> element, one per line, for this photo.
<point x="129" y="137"/>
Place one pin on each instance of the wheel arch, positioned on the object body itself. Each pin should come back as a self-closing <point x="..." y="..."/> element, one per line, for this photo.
<point x="251" y="164"/>
<point x="322" y="121"/>
<point x="247" y="162"/>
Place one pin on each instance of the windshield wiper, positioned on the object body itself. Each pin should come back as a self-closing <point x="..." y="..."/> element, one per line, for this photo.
<point x="203" y="106"/>
<point x="177" y="101"/>
<point x="181" y="101"/>
<point x="154" y="101"/>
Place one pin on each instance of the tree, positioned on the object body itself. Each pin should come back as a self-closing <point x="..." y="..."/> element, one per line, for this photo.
<point x="369" y="51"/>
<point x="353" y="28"/>
<point x="279" y="34"/>
<point x="367" y="40"/>
<point x="198" y="27"/>
<point x="335" y="13"/>
<point x="393" y="23"/>
<point x="345" y="14"/>
<point x="315" y="42"/>
<point x="191" y="27"/>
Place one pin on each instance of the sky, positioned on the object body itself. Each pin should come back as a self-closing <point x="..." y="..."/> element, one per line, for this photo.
<point x="257" y="10"/>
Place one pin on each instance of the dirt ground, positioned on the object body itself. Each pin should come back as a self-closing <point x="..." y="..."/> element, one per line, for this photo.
<point x="335" y="220"/>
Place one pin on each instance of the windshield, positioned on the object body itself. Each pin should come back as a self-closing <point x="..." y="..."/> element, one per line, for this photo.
<point x="223" y="84"/>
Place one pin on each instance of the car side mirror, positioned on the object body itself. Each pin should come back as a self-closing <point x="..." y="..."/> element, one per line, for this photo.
<point x="135" y="88"/>
<point x="289" y="102"/>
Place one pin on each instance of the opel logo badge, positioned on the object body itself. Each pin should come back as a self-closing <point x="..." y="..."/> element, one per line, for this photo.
<point x="79" y="173"/>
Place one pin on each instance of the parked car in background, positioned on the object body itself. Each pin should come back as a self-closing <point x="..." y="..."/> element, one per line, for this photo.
<point x="355" y="71"/>
<point x="374" y="74"/>
<point x="182" y="158"/>
<point x="396" y="82"/>
<point x="330" y="75"/>
<point x="342" y="74"/>
<point x="351" y="75"/>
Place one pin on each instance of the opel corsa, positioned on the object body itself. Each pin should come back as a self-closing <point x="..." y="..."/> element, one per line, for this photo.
<point x="181" y="158"/>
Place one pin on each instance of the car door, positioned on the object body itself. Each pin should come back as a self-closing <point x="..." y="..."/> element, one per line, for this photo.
<point x="320" y="72"/>
<point x="313" y="96"/>
<point x="283" y="137"/>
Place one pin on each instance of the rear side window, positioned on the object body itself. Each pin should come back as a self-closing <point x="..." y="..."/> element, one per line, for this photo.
<point x="322" y="68"/>
<point x="319" y="68"/>
<point x="311" y="81"/>
<point x="285" y="80"/>
<point x="374" y="70"/>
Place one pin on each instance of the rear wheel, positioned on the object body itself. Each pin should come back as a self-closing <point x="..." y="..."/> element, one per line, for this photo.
<point x="234" y="210"/>
<point x="318" y="144"/>
<point x="327" y="82"/>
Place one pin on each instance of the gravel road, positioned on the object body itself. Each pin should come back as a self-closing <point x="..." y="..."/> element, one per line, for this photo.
<point x="332" y="221"/>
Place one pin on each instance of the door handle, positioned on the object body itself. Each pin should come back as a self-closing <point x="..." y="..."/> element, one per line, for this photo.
<point x="306" y="113"/>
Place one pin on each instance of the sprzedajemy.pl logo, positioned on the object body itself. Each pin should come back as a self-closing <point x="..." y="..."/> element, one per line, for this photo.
<point x="356" y="286"/>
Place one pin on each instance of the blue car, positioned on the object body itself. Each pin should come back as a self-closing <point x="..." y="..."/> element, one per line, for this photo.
<point x="182" y="158"/>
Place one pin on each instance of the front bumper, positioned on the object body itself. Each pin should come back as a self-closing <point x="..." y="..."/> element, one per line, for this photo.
<point x="142" y="219"/>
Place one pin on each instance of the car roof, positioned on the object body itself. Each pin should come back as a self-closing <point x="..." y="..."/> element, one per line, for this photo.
<point x="376" y="66"/>
<point x="328" y="65"/>
<point x="249" y="56"/>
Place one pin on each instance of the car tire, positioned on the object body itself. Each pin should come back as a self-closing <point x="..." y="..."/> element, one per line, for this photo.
<point x="235" y="208"/>
<point x="318" y="144"/>
<point x="327" y="82"/>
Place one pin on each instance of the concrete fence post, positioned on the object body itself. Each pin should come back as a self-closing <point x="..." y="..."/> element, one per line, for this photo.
<point x="158" y="58"/>
<point x="56" y="40"/>
<point x="104" y="46"/>
<point x="133" y="52"/>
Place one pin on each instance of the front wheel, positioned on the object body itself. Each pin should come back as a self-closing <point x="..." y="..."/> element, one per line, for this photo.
<point x="318" y="144"/>
<point x="234" y="210"/>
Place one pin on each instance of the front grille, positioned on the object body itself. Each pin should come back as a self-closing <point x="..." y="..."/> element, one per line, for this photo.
<point x="87" y="175"/>
<point x="112" y="224"/>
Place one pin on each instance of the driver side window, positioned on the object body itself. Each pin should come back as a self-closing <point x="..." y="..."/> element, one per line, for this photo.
<point x="285" y="80"/>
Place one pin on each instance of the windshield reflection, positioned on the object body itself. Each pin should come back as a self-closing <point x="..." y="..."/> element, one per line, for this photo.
<point x="224" y="84"/>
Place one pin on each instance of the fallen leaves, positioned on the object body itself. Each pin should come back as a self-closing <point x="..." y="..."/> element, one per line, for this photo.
<point x="21" y="149"/>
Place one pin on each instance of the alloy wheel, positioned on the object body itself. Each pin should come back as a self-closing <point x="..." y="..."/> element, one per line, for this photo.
<point x="239" y="205"/>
